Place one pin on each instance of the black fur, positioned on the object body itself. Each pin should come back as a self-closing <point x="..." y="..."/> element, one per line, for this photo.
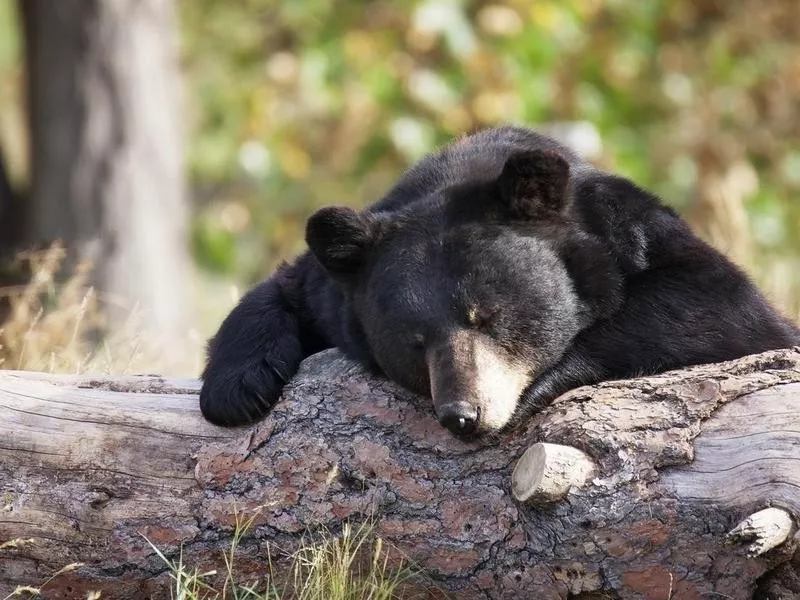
<point x="509" y="238"/>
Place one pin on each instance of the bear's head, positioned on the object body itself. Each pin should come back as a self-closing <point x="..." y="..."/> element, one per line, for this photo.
<point x="469" y="294"/>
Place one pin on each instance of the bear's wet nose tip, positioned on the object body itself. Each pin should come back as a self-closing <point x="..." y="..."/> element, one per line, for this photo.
<point x="459" y="417"/>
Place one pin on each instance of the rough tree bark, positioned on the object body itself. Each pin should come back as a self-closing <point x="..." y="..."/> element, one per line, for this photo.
<point x="106" y="142"/>
<point x="665" y="468"/>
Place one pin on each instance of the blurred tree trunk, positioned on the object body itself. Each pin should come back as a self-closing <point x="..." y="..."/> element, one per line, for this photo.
<point x="6" y="206"/>
<point x="106" y="148"/>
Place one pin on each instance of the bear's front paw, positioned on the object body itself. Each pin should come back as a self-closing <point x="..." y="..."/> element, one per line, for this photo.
<point x="233" y="396"/>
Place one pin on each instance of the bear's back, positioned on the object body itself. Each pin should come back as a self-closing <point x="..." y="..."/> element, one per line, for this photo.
<point x="475" y="158"/>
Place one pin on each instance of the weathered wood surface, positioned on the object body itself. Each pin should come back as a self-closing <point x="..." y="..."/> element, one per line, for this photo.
<point x="90" y="465"/>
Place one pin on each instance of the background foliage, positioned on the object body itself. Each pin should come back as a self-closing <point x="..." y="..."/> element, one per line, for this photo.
<point x="293" y="105"/>
<point x="303" y="103"/>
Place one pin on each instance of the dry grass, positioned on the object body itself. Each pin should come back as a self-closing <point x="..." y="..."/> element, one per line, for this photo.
<point x="354" y="565"/>
<point x="779" y="278"/>
<point x="29" y="591"/>
<point x="55" y="324"/>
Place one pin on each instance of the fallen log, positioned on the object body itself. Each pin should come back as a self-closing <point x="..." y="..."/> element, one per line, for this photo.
<point x="684" y="485"/>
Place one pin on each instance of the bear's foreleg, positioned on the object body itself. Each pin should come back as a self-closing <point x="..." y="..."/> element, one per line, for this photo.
<point x="255" y="352"/>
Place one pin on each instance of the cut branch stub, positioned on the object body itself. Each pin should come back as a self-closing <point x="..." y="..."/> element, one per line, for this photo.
<point x="545" y="473"/>
<point x="765" y="529"/>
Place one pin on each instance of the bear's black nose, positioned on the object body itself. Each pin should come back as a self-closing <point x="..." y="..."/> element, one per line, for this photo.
<point x="459" y="417"/>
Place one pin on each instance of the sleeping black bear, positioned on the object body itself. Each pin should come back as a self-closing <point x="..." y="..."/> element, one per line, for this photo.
<point x="498" y="273"/>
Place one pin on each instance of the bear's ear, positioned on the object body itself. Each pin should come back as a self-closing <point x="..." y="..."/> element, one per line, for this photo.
<point x="534" y="184"/>
<point x="340" y="238"/>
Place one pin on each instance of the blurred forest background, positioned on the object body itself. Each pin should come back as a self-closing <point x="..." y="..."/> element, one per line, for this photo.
<point x="176" y="148"/>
